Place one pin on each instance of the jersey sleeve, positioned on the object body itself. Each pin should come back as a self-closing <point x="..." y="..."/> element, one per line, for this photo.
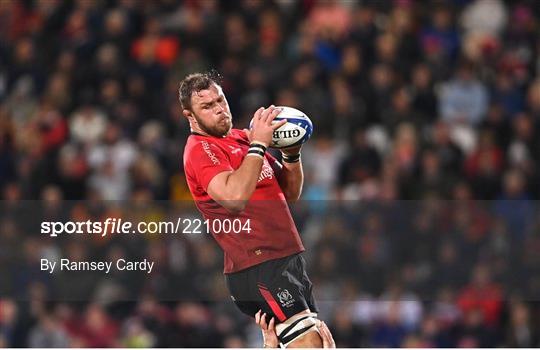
<point x="207" y="160"/>
<point x="274" y="163"/>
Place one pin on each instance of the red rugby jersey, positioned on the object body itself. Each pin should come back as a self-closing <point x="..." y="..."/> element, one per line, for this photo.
<point x="272" y="235"/>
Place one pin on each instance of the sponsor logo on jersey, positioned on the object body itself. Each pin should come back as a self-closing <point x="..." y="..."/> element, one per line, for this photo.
<point x="235" y="150"/>
<point x="285" y="298"/>
<point x="209" y="153"/>
<point x="266" y="172"/>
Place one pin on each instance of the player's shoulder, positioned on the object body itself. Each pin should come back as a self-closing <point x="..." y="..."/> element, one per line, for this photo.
<point x="191" y="141"/>
<point x="196" y="143"/>
<point x="196" y="147"/>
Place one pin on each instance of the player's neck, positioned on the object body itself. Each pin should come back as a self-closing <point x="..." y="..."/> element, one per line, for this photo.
<point x="198" y="132"/>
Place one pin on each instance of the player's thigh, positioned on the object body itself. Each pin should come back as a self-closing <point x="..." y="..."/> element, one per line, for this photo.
<point x="308" y="340"/>
<point x="242" y="293"/>
<point x="307" y="286"/>
<point x="285" y="287"/>
<point x="300" y="331"/>
<point x="279" y="287"/>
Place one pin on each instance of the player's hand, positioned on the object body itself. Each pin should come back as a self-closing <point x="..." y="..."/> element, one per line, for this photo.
<point x="291" y="151"/>
<point x="326" y="336"/>
<point x="270" y="338"/>
<point x="262" y="127"/>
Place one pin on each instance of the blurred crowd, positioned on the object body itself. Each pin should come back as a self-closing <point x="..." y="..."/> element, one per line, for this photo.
<point x="433" y="102"/>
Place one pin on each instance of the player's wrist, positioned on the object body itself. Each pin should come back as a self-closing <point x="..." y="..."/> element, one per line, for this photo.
<point x="256" y="149"/>
<point x="260" y="143"/>
<point x="291" y="158"/>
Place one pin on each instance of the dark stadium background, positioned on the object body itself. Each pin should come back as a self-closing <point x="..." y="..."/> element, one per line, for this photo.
<point x="420" y="207"/>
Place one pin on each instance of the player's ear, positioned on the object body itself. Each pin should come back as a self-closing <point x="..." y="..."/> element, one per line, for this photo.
<point x="187" y="113"/>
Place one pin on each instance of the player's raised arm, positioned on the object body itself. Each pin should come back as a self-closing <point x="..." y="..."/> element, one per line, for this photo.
<point x="291" y="176"/>
<point x="233" y="189"/>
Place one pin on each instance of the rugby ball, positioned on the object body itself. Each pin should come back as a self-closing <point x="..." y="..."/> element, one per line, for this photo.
<point x="295" y="132"/>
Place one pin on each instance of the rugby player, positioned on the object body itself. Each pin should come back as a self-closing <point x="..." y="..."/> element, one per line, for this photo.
<point x="232" y="177"/>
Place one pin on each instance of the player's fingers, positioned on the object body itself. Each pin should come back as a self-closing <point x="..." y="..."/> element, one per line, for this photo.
<point x="271" y="324"/>
<point x="278" y="124"/>
<point x="324" y="330"/>
<point x="258" y="316"/>
<point x="265" y="114"/>
<point x="257" y="117"/>
<point x="328" y="340"/>
<point x="263" y="321"/>
<point x="258" y="113"/>
<point x="273" y="114"/>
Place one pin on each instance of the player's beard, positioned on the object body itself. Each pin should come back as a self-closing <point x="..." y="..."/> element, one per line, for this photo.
<point x="219" y="129"/>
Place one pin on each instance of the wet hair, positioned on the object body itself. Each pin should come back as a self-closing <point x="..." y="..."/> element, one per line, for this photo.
<point x="194" y="83"/>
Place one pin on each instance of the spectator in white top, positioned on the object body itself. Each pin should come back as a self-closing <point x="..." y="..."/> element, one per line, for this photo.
<point x="464" y="99"/>
<point x="87" y="125"/>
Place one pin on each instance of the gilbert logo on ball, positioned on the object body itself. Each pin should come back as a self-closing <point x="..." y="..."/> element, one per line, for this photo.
<point x="295" y="132"/>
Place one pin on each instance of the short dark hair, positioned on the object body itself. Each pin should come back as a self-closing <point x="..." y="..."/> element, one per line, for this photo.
<point x="196" y="82"/>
